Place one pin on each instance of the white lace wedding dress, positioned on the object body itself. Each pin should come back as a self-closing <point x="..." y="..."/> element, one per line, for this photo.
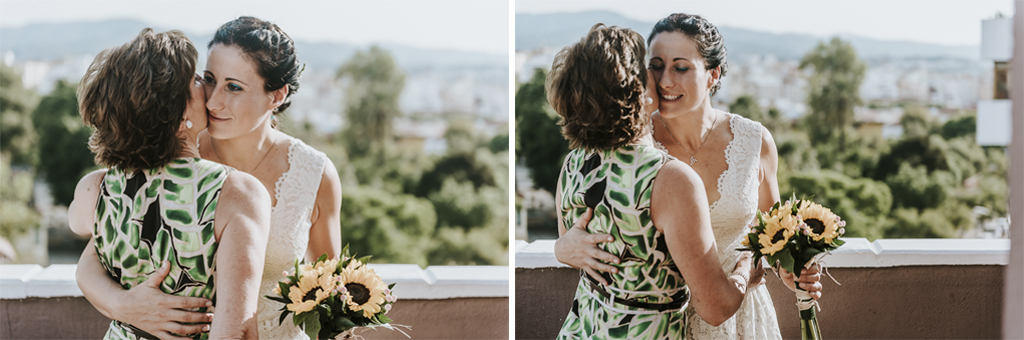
<point x="295" y="192"/>
<point x="730" y="216"/>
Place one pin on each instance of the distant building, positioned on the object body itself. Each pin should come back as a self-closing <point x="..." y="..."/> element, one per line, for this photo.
<point x="994" y="114"/>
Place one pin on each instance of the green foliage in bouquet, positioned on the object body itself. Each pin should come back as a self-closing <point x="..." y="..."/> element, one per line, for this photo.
<point x="330" y="297"/>
<point x="794" y="233"/>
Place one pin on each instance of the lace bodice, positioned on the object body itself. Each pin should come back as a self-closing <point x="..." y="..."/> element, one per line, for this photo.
<point x="737" y="186"/>
<point x="730" y="216"/>
<point x="295" y="192"/>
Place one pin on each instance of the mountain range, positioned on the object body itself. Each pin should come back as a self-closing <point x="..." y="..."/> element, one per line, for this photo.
<point x="50" y="41"/>
<point x="553" y="30"/>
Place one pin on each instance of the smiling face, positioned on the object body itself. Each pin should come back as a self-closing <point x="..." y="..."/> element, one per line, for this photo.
<point x="235" y="95"/>
<point x="681" y="77"/>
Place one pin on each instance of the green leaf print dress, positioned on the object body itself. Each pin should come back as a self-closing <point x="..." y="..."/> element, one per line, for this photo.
<point x="145" y="218"/>
<point x="644" y="299"/>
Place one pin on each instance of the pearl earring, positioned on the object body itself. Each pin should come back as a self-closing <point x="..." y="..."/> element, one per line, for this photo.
<point x="188" y="124"/>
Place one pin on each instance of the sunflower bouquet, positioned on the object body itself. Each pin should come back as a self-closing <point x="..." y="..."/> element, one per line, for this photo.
<point x="330" y="298"/>
<point x="792" y="236"/>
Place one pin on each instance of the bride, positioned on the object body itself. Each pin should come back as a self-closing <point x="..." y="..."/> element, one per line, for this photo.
<point x="251" y="71"/>
<point x="734" y="156"/>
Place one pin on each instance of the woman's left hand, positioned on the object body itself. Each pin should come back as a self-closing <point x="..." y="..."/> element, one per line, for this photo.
<point x="809" y="280"/>
<point x="579" y="249"/>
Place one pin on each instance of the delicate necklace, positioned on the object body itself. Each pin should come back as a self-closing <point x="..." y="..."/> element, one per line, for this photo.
<point x="214" y="145"/>
<point x="693" y="159"/>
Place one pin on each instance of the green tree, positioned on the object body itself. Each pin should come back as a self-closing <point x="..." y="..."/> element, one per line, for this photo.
<point x="499" y="143"/>
<point x="475" y="168"/>
<point x="862" y="202"/>
<point x="909" y="223"/>
<point x="17" y="133"/>
<point x="478" y="246"/>
<point x="373" y="84"/>
<point x="746" y="106"/>
<point x="459" y="204"/>
<point x="834" y="90"/>
<point x="915" y="122"/>
<point x="538" y="135"/>
<point x="928" y="151"/>
<point x="914" y="187"/>
<point x="393" y="228"/>
<point x="64" y="155"/>
<point x="16" y="215"/>
<point x="962" y="126"/>
<point x="461" y="136"/>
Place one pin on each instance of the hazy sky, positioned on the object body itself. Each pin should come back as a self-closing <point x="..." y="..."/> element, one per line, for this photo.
<point x="466" y="25"/>
<point x="947" y="22"/>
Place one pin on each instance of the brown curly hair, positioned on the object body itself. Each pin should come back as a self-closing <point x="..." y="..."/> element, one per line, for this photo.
<point x="135" y="96"/>
<point x="597" y="86"/>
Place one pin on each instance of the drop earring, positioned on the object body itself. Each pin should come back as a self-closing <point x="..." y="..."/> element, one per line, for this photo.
<point x="188" y="124"/>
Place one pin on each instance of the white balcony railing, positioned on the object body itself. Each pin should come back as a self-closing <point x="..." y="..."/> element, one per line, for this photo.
<point x="433" y="283"/>
<point x="856" y="253"/>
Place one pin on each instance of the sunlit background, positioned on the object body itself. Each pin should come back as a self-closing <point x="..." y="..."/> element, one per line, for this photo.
<point x="922" y="153"/>
<point x="431" y="189"/>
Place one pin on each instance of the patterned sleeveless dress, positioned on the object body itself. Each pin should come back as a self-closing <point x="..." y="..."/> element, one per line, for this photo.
<point x="644" y="299"/>
<point x="295" y="193"/>
<point x="145" y="218"/>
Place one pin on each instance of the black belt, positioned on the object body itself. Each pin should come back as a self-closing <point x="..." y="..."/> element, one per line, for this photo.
<point x="141" y="334"/>
<point x="678" y="300"/>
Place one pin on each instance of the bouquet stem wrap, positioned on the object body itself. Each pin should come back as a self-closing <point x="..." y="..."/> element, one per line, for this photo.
<point x="808" y="316"/>
<point x="794" y="236"/>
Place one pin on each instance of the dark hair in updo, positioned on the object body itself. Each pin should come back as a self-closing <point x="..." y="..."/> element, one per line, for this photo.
<point x="135" y="96"/>
<point x="709" y="42"/>
<point x="597" y="86"/>
<point x="269" y="48"/>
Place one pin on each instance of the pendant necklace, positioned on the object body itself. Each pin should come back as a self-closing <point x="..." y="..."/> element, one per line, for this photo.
<point x="693" y="159"/>
<point x="214" y="145"/>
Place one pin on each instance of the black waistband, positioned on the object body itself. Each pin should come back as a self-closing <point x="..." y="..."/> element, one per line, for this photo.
<point x="141" y="334"/>
<point x="136" y="331"/>
<point x="679" y="300"/>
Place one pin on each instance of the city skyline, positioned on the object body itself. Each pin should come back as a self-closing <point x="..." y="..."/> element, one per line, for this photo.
<point x="945" y="22"/>
<point x="456" y="24"/>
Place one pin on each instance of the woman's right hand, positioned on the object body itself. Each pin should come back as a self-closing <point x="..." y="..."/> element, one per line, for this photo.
<point x="150" y="309"/>
<point x="144" y="306"/>
<point x="578" y="249"/>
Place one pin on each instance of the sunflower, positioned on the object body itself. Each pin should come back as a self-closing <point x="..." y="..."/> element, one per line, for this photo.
<point x="308" y="293"/>
<point x="822" y="222"/>
<point x="365" y="289"/>
<point x="327" y="267"/>
<point x="777" y="231"/>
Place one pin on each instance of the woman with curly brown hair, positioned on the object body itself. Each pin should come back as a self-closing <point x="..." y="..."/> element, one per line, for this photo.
<point x="653" y="207"/>
<point x="734" y="157"/>
<point x="158" y="208"/>
<point x="252" y="69"/>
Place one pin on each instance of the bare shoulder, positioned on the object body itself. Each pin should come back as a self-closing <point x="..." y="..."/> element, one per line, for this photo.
<point x="678" y="195"/>
<point x="676" y="178"/>
<point x="81" y="211"/>
<point x="329" y="179"/>
<point x="328" y="195"/>
<point x="769" y="150"/>
<point x="240" y="186"/>
<point x="243" y="200"/>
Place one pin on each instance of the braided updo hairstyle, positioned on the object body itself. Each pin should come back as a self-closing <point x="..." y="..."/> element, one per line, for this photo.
<point x="709" y="41"/>
<point x="271" y="50"/>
